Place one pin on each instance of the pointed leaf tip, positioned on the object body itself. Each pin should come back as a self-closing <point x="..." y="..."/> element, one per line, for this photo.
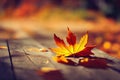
<point x="59" y="41"/>
<point x="68" y="28"/>
<point x="71" y="38"/>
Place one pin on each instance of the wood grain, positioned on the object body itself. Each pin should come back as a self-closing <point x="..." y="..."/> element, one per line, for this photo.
<point x="84" y="73"/>
<point x="6" y="72"/>
<point x="23" y="66"/>
<point x="27" y="60"/>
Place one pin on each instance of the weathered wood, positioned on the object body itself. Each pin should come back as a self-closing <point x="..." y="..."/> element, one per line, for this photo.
<point x="24" y="68"/>
<point x="6" y="72"/>
<point x="27" y="59"/>
<point x="84" y="73"/>
<point x="102" y="54"/>
<point x="26" y="63"/>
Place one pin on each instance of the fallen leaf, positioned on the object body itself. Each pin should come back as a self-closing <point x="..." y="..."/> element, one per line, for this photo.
<point x="73" y="49"/>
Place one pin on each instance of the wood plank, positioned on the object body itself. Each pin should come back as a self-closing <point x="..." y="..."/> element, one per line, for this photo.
<point x="25" y="63"/>
<point x="6" y="72"/>
<point x="30" y="60"/>
<point x="84" y="73"/>
<point x="102" y="54"/>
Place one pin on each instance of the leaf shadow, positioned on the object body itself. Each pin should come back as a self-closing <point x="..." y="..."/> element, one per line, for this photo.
<point x="51" y="75"/>
<point x="6" y="72"/>
<point x="94" y="63"/>
<point x="89" y="62"/>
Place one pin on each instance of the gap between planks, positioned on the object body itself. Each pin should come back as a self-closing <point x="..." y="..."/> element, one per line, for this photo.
<point x="6" y="67"/>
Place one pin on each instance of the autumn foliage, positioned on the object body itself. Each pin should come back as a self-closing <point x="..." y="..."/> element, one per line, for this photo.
<point x="73" y="49"/>
<point x="77" y="53"/>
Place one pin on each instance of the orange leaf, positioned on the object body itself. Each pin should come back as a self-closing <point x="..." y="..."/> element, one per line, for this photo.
<point x="73" y="49"/>
<point x="61" y="51"/>
<point x="64" y="60"/>
<point x="62" y="48"/>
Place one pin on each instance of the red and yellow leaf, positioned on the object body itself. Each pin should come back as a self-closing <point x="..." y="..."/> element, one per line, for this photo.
<point x="85" y="52"/>
<point x="62" y="59"/>
<point x="82" y="43"/>
<point x="73" y="49"/>
<point x="59" y="42"/>
<point x="76" y="50"/>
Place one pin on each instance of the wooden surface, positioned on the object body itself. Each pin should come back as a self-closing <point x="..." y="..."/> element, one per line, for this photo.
<point x="22" y="60"/>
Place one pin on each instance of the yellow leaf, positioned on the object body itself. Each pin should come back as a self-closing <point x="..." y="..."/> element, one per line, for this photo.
<point x="82" y="43"/>
<point x="61" y="51"/>
<point x="73" y="48"/>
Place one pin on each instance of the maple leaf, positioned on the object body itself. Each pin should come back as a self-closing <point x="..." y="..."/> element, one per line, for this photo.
<point x="73" y="49"/>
